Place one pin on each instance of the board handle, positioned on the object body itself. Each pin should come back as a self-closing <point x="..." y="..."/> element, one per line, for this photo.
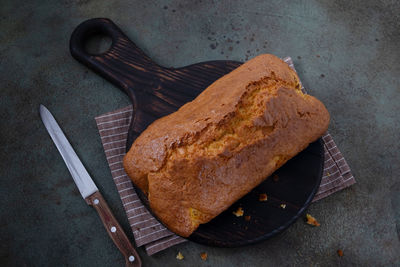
<point x="113" y="64"/>
<point x="124" y="65"/>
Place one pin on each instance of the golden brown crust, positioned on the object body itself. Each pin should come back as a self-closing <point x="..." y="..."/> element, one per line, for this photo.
<point x="193" y="164"/>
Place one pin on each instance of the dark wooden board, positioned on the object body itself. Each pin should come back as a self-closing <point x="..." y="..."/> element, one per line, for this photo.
<point x="157" y="91"/>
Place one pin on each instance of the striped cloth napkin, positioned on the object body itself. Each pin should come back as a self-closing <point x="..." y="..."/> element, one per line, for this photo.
<point x="147" y="231"/>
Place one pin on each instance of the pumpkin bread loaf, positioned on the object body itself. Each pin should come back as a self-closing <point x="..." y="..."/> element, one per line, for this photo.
<point x="195" y="163"/>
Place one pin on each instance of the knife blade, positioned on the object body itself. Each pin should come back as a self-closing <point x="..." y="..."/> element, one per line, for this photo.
<point x="88" y="188"/>
<point x="78" y="172"/>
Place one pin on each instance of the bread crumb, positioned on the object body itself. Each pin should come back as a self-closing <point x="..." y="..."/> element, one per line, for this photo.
<point x="312" y="221"/>
<point x="263" y="197"/>
<point x="275" y="178"/>
<point x="247" y="218"/>
<point x="340" y="252"/>
<point x="203" y="256"/>
<point x="283" y="206"/>
<point x="179" y="256"/>
<point x="239" y="212"/>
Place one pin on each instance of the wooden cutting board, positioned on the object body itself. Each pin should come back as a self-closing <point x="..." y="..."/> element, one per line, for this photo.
<point x="157" y="91"/>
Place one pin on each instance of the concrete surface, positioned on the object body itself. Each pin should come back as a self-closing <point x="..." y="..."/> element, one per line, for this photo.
<point x="346" y="52"/>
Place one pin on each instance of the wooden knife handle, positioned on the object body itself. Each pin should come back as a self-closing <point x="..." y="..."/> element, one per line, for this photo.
<point x="114" y="230"/>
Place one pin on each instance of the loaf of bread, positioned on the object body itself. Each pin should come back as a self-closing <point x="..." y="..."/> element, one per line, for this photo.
<point x="195" y="163"/>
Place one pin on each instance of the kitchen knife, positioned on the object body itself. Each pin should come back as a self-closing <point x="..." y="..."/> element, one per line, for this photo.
<point x="88" y="189"/>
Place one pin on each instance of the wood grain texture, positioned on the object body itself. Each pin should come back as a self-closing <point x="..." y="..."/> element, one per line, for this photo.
<point x="114" y="230"/>
<point x="157" y="91"/>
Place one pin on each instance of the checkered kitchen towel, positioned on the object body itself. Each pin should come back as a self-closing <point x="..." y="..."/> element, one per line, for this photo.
<point x="147" y="231"/>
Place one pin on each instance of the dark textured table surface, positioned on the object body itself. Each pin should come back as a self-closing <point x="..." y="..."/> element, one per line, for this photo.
<point x="346" y="52"/>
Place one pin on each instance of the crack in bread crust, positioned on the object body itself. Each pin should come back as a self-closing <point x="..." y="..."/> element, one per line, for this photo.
<point x="247" y="122"/>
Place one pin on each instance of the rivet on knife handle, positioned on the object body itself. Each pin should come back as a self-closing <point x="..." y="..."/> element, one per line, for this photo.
<point x="114" y="230"/>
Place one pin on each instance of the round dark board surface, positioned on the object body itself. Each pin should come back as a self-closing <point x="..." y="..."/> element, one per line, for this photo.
<point x="157" y="91"/>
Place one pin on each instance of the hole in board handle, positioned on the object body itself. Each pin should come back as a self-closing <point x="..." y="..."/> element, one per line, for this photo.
<point x="97" y="43"/>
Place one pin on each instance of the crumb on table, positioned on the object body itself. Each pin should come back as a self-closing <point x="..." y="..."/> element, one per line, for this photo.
<point x="239" y="212"/>
<point x="312" y="221"/>
<point x="283" y="206"/>
<point x="263" y="197"/>
<point x="203" y="256"/>
<point x="340" y="252"/>
<point x="179" y="256"/>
